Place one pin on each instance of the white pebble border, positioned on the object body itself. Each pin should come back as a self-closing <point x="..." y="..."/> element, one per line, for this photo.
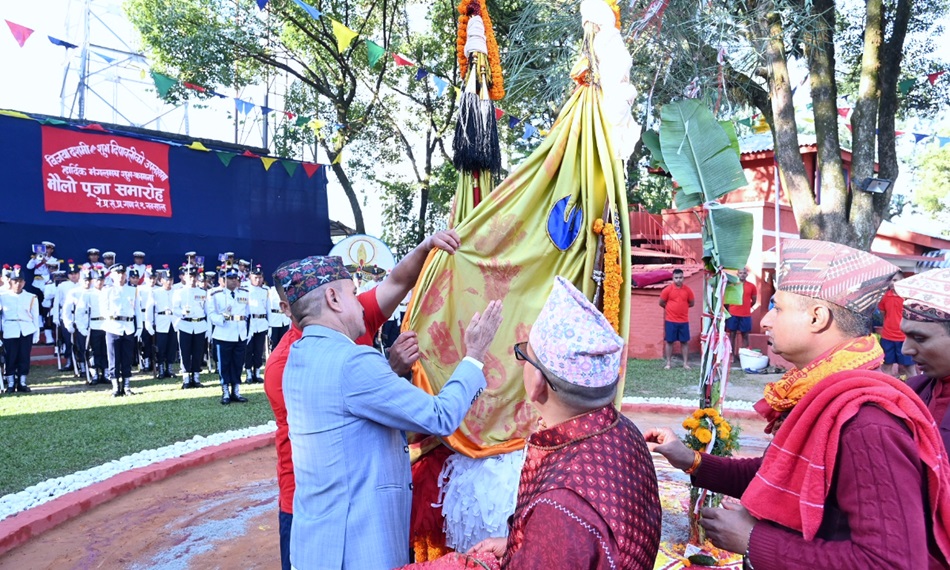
<point x="690" y="404"/>
<point x="53" y="488"/>
<point x="50" y="489"/>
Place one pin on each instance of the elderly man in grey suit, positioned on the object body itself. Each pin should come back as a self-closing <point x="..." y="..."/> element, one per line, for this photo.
<point x="347" y="411"/>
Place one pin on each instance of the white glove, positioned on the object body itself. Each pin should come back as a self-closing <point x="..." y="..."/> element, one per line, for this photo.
<point x="36" y="337"/>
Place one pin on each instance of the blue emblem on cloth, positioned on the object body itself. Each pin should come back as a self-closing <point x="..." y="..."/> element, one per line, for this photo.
<point x="563" y="233"/>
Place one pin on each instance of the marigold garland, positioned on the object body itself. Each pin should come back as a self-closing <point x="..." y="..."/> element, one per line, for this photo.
<point x="699" y="426"/>
<point x="615" y="6"/>
<point x="468" y="8"/>
<point x="613" y="272"/>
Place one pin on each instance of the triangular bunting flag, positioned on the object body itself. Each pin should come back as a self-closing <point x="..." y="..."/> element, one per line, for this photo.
<point x="261" y="4"/>
<point x="899" y="133"/>
<point x="290" y="166"/>
<point x="45" y="121"/>
<point x="163" y="83"/>
<point x="401" y="61"/>
<point x="225" y="157"/>
<point x="344" y="36"/>
<point x="919" y="137"/>
<point x="498" y="114"/>
<point x="105" y="58"/>
<point x="310" y="168"/>
<point x="440" y="85"/>
<point x="243" y="107"/>
<point x="265" y="110"/>
<point x="194" y="87"/>
<point x="843" y="111"/>
<point x="745" y="122"/>
<point x="421" y="74"/>
<point x="316" y="124"/>
<point x="20" y="33"/>
<point x="268" y="161"/>
<point x="301" y="121"/>
<point x="63" y="43"/>
<point x="906" y="85"/>
<point x="250" y="154"/>
<point x="529" y="131"/>
<point x="314" y="13"/>
<point x="93" y="127"/>
<point x="932" y="77"/>
<point x="216" y="94"/>
<point x="943" y="141"/>
<point x="374" y="51"/>
<point x="20" y="115"/>
<point x="290" y="116"/>
<point x="339" y="157"/>
<point x="197" y="146"/>
<point x="513" y="122"/>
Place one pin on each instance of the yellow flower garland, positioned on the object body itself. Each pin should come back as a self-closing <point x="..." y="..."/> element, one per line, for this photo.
<point x="613" y="272"/>
<point x="699" y="426"/>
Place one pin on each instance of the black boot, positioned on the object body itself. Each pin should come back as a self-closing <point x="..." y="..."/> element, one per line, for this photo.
<point x="9" y="384"/>
<point x="185" y="380"/>
<point x="127" y="387"/>
<point x="116" y="391"/>
<point x="236" y="394"/>
<point x="225" y="395"/>
<point x="195" y="383"/>
<point x="21" y="385"/>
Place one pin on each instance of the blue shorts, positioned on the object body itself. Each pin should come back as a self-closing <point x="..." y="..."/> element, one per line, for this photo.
<point x="892" y="352"/>
<point x="741" y="324"/>
<point x="286" y="521"/>
<point x="676" y="332"/>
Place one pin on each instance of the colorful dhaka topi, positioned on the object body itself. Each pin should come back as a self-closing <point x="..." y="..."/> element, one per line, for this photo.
<point x="301" y="277"/>
<point x="926" y="296"/>
<point x="862" y="353"/>
<point x="832" y="272"/>
<point x="574" y="340"/>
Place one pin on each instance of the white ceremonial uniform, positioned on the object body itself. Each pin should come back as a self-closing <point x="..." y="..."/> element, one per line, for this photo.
<point x="275" y="317"/>
<point x="19" y="315"/>
<point x="92" y="301"/>
<point x="229" y="314"/>
<point x="59" y="299"/>
<point x="75" y="313"/>
<point x="158" y="310"/>
<point x="188" y="304"/>
<point x="120" y="307"/>
<point x="41" y="266"/>
<point x="259" y="305"/>
<point x="140" y="267"/>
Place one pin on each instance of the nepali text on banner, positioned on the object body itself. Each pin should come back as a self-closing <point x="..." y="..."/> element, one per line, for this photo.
<point x="104" y="174"/>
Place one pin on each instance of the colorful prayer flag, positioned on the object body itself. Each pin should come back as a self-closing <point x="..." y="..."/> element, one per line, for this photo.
<point x="401" y="61"/>
<point x="163" y="83"/>
<point x="513" y="122"/>
<point x="63" y="43"/>
<point x="243" y="107"/>
<point x="20" y="33"/>
<point x="498" y="113"/>
<point x="919" y="137"/>
<point x="374" y="51"/>
<point x="268" y="161"/>
<point x="225" y="157"/>
<point x="196" y="145"/>
<point x="932" y="77"/>
<point x="314" y="13"/>
<point x="529" y="131"/>
<point x="906" y="85"/>
<point x="261" y="4"/>
<point x="290" y="166"/>
<point x="421" y="74"/>
<point x="440" y="85"/>
<point x="344" y="36"/>
<point x="310" y="168"/>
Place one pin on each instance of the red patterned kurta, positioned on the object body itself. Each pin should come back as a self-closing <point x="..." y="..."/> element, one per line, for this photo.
<point x="588" y="497"/>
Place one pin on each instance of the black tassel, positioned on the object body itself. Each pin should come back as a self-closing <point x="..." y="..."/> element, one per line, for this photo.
<point x="476" y="136"/>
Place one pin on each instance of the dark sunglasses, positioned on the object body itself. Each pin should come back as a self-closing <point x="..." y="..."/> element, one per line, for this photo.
<point x="521" y="353"/>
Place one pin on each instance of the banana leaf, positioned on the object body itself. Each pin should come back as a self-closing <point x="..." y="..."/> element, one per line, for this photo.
<point x="698" y="153"/>
<point x="651" y="139"/>
<point x="727" y="235"/>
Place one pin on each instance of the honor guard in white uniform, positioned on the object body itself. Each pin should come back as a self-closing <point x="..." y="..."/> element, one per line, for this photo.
<point x="43" y="264"/>
<point x="188" y="304"/>
<point x="120" y="307"/>
<point x="228" y="310"/>
<point x="244" y="269"/>
<point x="75" y="322"/>
<point x="159" y="322"/>
<point x="138" y="263"/>
<point x="108" y="259"/>
<point x="191" y="258"/>
<point x="257" y="330"/>
<point x="20" y="329"/>
<point x="147" y="341"/>
<point x="47" y="326"/>
<point x="277" y="320"/>
<point x="64" y="337"/>
<point x="92" y="255"/>
<point x="97" y="332"/>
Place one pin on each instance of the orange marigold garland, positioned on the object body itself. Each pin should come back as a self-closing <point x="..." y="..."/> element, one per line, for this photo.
<point x="468" y="8"/>
<point x="613" y="272"/>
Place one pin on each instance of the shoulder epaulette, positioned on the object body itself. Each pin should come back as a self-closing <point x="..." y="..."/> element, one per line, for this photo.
<point x="213" y="293"/>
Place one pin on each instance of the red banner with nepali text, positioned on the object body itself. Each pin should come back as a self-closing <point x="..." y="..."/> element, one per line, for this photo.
<point x="104" y="174"/>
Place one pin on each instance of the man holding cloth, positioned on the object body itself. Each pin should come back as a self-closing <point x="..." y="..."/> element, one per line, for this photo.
<point x="926" y="324"/>
<point x="856" y="476"/>
<point x="347" y="411"/>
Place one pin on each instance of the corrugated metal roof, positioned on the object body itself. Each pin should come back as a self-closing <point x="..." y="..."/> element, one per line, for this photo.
<point x="763" y="142"/>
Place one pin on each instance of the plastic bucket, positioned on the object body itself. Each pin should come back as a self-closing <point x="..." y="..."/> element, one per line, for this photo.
<point x="752" y="359"/>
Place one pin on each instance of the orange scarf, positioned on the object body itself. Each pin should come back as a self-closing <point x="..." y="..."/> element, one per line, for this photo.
<point x="862" y="353"/>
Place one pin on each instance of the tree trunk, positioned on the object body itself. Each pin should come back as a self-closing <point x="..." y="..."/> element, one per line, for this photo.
<point x="350" y="194"/>
<point x="864" y="128"/>
<point x="794" y="178"/>
<point x="423" y="211"/>
<point x="831" y="191"/>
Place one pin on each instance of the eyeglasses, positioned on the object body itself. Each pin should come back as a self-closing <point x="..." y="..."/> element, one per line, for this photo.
<point x="521" y="353"/>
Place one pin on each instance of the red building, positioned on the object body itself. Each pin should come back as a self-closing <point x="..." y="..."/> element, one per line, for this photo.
<point x="673" y="239"/>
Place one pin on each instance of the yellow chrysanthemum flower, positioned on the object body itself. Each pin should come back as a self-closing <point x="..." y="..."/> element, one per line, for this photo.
<point x="703" y="435"/>
<point x="690" y="423"/>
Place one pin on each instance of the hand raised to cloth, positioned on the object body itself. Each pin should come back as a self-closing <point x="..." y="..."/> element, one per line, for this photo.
<point x="481" y="331"/>
<point x="404" y="352"/>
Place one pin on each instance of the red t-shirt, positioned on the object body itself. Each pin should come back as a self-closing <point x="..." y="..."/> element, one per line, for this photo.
<point x="745" y="309"/>
<point x="677" y="303"/>
<point x="892" y="305"/>
<point x="274" y="387"/>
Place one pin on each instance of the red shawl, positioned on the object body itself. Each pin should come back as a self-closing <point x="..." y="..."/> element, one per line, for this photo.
<point x="792" y="484"/>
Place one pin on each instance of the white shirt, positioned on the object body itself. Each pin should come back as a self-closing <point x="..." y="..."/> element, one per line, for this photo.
<point x="60" y="298"/>
<point x="276" y="317"/>
<point x="75" y="313"/>
<point x="229" y="311"/>
<point x="92" y="304"/>
<point x="120" y="306"/>
<point x="19" y="315"/>
<point x="259" y="305"/>
<point x="188" y="304"/>
<point x="159" y="316"/>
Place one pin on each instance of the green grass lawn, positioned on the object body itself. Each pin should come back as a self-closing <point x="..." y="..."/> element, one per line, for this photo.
<point x="648" y="379"/>
<point x="65" y="426"/>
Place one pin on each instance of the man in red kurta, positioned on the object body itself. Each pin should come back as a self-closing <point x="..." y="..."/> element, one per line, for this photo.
<point x="896" y="363"/>
<point x="856" y="476"/>
<point x="676" y="299"/>
<point x="378" y="305"/>
<point x="588" y="493"/>
<point x="926" y="323"/>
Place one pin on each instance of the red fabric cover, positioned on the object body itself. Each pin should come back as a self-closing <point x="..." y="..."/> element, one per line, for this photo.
<point x="454" y="560"/>
<point x="677" y="303"/>
<point x="274" y="388"/>
<point x="793" y="483"/>
<point x="589" y="483"/>
<point x="425" y="523"/>
<point x="651" y="277"/>
<point x="745" y="309"/>
<point x="892" y="305"/>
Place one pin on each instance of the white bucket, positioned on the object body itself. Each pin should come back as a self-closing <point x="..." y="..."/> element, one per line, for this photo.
<point x="752" y="359"/>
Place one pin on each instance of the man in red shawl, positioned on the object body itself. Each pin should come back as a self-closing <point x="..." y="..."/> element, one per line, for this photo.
<point x="588" y="494"/>
<point x="926" y="324"/>
<point x="856" y="476"/>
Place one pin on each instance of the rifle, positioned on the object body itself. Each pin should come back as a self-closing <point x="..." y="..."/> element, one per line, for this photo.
<point x="85" y="352"/>
<point x="75" y="364"/>
<point x="59" y="365"/>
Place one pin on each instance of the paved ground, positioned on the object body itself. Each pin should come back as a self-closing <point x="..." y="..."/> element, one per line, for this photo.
<point x="224" y="515"/>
